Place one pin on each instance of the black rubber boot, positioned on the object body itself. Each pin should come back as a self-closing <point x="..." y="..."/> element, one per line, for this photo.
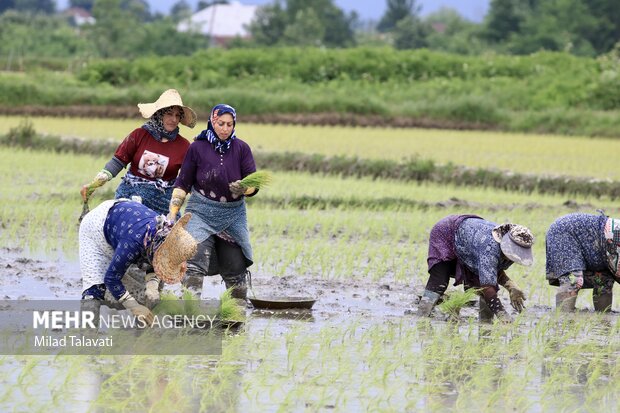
<point x="193" y="283"/>
<point x="239" y="289"/>
<point x="565" y="301"/>
<point x="427" y="303"/>
<point x="485" y="314"/>
<point x="602" y="302"/>
<point x="94" y="306"/>
<point x="238" y="283"/>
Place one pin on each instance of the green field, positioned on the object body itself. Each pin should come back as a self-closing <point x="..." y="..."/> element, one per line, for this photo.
<point x="350" y="231"/>
<point x="530" y="154"/>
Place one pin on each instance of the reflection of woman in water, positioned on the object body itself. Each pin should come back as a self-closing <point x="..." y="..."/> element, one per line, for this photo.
<point x="155" y="152"/>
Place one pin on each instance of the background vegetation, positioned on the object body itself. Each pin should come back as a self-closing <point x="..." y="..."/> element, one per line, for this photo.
<point x="581" y="27"/>
<point x="530" y="66"/>
<point x="545" y="92"/>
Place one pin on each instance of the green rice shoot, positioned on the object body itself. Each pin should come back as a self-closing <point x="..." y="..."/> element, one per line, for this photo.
<point x="256" y="180"/>
<point x="189" y="305"/>
<point x="170" y="304"/>
<point x="456" y="300"/>
<point x="229" y="309"/>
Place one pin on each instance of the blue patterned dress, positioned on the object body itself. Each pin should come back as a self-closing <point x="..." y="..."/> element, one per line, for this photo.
<point x="125" y="229"/>
<point x="479" y="252"/>
<point x="576" y="242"/>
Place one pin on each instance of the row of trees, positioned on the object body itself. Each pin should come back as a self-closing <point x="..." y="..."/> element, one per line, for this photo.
<point x="127" y="28"/>
<point x="123" y="28"/>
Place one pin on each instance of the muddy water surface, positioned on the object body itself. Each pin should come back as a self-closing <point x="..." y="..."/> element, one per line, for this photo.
<point x="360" y="348"/>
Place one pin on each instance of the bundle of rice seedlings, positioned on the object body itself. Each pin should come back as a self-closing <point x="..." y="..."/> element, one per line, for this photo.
<point x="256" y="180"/>
<point x="457" y="300"/>
<point x="170" y="304"/>
<point x="229" y="308"/>
<point x="189" y="305"/>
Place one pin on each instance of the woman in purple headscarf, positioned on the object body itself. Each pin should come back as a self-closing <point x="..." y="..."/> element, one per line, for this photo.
<point x="212" y="170"/>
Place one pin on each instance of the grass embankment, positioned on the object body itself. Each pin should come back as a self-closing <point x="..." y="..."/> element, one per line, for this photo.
<point x="414" y="169"/>
<point x="545" y="92"/>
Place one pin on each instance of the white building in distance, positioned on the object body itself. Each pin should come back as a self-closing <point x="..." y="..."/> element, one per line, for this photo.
<point x="221" y="22"/>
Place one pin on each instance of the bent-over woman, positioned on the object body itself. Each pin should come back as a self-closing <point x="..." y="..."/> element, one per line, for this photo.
<point x="582" y="253"/>
<point x="119" y="233"/>
<point x="476" y="253"/>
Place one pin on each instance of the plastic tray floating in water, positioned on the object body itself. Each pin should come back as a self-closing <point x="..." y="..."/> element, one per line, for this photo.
<point x="278" y="303"/>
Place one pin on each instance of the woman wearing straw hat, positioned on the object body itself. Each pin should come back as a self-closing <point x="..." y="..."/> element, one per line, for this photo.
<point x="119" y="233"/>
<point x="215" y="163"/>
<point x="583" y="252"/>
<point x="155" y="152"/>
<point x="476" y="253"/>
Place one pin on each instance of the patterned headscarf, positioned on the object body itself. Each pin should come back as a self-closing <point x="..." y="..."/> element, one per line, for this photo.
<point x="209" y="133"/>
<point x="155" y="125"/>
<point x="154" y="238"/>
<point x="612" y="245"/>
<point x="515" y="242"/>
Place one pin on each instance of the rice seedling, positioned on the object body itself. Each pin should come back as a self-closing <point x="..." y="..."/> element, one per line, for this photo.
<point x="190" y="305"/>
<point x="229" y="307"/>
<point x="258" y="179"/>
<point x="456" y="300"/>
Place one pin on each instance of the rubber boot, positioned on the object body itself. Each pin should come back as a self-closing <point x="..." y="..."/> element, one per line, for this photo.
<point x="427" y="303"/>
<point x="239" y="284"/>
<point x="485" y="315"/>
<point x="565" y="301"/>
<point x="602" y="302"/>
<point x="239" y="289"/>
<point x="94" y="306"/>
<point x="193" y="283"/>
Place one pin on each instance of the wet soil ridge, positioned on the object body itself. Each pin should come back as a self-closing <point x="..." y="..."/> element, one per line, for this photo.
<point x="399" y="204"/>
<point x="306" y="119"/>
<point x="413" y="169"/>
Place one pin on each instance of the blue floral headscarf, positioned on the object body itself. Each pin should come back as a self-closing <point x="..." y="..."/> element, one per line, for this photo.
<point x="209" y="133"/>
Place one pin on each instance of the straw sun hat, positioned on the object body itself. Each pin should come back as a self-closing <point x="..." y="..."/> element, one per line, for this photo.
<point x="167" y="99"/>
<point x="178" y="247"/>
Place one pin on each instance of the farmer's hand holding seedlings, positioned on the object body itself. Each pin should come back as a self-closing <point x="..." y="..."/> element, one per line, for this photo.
<point x="152" y="290"/>
<point x="176" y="202"/>
<point x="250" y="184"/>
<point x="100" y="179"/>
<point x="237" y="189"/>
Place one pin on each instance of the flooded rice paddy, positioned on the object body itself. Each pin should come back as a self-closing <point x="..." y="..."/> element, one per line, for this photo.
<point x="360" y="348"/>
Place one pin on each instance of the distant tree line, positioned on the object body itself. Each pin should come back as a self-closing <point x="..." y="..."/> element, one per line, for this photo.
<point x="128" y="28"/>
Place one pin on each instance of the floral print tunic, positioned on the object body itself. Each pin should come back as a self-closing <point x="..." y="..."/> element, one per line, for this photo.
<point x="575" y="242"/>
